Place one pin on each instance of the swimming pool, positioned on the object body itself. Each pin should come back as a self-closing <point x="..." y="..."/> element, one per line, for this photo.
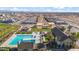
<point x="18" y="38"/>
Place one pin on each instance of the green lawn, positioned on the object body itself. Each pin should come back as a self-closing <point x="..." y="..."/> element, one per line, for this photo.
<point x="6" y="28"/>
<point x="48" y="37"/>
<point x="77" y="35"/>
<point x="43" y="29"/>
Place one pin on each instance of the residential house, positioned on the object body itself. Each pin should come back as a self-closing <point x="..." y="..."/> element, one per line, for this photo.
<point x="61" y="38"/>
<point x="42" y="23"/>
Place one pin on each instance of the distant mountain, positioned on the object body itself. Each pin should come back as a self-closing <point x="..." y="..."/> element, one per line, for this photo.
<point x="39" y="9"/>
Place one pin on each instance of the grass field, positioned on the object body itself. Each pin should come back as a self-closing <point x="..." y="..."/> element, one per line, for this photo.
<point x="42" y="29"/>
<point x="6" y="28"/>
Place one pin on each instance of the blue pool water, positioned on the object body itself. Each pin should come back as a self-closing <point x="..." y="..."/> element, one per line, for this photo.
<point x="15" y="40"/>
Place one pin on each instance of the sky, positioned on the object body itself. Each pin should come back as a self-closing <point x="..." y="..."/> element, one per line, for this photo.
<point x="40" y="5"/>
<point x="40" y="9"/>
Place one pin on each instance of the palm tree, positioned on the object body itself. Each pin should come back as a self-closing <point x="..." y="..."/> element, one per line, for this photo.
<point x="69" y="27"/>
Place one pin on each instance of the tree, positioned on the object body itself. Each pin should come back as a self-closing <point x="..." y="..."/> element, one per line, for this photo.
<point x="62" y="28"/>
<point x="69" y="27"/>
<point x="67" y="44"/>
<point x="73" y="36"/>
<point x="77" y="35"/>
<point x="49" y="37"/>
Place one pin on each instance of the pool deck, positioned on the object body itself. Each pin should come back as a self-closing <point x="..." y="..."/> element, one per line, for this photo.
<point x="6" y="43"/>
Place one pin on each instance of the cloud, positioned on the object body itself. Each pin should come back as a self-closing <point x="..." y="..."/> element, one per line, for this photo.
<point x="41" y="9"/>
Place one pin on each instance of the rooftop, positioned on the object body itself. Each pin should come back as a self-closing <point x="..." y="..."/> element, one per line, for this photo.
<point x="29" y="21"/>
<point x="57" y="32"/>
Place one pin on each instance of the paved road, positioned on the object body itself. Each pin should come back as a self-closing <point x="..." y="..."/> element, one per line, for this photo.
<point x="75" y="27"/>
<point x="18" y="22"/>
<point x="71" y="23"/>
